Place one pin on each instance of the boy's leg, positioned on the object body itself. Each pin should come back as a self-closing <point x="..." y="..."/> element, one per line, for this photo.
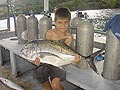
<point x="46" y="85"/>
<point x="56" y="77"/>
<point x="42" y="73"/>
<point x="55" y="84"/>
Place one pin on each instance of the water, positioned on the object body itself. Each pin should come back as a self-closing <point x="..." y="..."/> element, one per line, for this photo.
<point x="98" y="17"/>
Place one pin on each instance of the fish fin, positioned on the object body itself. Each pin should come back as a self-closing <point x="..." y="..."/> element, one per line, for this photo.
<point x="59" y="41"/>
<point x="90" y="59"/>
<point x="62" y="40"/>
<point x="43" y="54"/>
<point x="92" y="64"/>
<point x="93" y="54"/>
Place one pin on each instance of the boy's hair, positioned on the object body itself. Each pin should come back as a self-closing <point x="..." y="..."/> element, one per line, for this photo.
<point x="62" y="13"/>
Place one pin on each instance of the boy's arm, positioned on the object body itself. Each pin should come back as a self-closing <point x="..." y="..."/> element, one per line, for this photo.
<point x="68" y="41"/>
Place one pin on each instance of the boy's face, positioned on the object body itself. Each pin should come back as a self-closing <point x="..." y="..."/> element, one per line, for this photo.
<point x="62" y="24"/>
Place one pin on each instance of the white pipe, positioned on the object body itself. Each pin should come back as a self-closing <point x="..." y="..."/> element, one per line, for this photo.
<point x="46" y="5"/>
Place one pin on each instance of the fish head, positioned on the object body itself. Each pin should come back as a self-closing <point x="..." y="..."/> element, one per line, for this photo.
<point x="29" y="49"/>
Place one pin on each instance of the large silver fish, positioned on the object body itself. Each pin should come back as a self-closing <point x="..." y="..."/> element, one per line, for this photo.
<point x="10" y="84"/>
<point x="53" y="52"/>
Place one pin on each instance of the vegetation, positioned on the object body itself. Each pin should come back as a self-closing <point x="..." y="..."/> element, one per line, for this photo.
<point x="37" y="5"/>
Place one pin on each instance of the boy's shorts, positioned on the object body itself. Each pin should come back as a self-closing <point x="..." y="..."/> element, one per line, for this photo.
<point x="44" y="71"/>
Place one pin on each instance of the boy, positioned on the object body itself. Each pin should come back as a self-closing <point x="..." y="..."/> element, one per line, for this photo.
<point x="45" y="72"/>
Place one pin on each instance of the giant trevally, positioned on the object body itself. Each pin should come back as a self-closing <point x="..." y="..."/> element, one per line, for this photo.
<point x="53" y="52"/>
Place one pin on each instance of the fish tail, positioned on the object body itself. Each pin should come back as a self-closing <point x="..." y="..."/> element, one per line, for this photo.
<point x="90" y="60"/>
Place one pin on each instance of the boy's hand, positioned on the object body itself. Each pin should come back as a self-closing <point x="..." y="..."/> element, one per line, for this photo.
<point x="76" y="59"/>
<point x="36" y="61"/>
<point x="69" y="40"/>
